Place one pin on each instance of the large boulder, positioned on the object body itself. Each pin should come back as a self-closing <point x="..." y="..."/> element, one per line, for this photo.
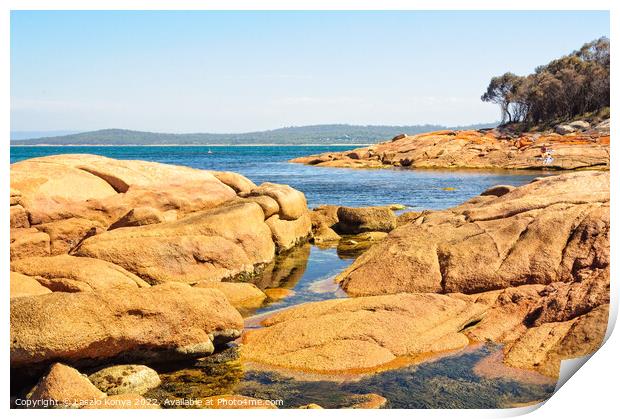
<point x="170" y="321"/>
<point x="363" y="333"/>
<point x="97" y="188"/>
<point x="73" y="274"/>
<point x="361" y="220"/>
<point x="288" y="233"/>
<point x="291" y="201"/>
<point x="553" y="230"/>
<point x="209" y="245"/>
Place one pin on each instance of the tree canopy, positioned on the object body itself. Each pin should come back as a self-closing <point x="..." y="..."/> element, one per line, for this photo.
<point x="572" y="85"/>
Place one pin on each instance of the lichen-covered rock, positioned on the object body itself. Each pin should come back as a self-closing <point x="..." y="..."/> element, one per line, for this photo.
<point x="125" y="379"/>
<point x="73" y="274"/>
<point x="170" y="321"/>
<point x="363" y="333"/>
<point x="478" y="149"/>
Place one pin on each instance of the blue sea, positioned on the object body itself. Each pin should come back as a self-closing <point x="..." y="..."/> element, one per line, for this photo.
<point x="416" y="189"/>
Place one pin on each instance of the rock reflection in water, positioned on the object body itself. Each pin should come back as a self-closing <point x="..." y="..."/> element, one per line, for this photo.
<point x="301" y="275"/>
<point x="446" y="383"/>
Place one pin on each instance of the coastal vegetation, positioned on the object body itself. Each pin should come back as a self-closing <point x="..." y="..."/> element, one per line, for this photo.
<point x="563" y="89"/>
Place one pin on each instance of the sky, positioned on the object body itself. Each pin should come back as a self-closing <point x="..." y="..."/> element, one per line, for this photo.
<point x="213" y="71"/>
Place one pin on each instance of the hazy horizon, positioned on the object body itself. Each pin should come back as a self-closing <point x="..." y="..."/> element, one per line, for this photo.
<point x="238" y="72"/>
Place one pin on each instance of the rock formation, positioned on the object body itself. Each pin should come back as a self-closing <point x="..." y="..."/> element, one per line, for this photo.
<point x="477" y="149"/>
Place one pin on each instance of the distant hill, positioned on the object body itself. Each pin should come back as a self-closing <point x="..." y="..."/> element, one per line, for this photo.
<point x="313" y="134"/>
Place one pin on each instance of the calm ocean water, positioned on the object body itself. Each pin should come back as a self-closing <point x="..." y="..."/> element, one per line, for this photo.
<point x="417" y="189"/>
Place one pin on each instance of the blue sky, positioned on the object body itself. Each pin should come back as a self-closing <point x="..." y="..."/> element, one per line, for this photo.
<point x="208" y="71"/>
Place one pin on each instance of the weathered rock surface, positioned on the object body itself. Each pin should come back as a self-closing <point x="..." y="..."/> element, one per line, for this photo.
<point x="24" y="285"/>
<point x="125" y="379"/>
<point x="477" y="149"/>
<point x="170" y="321"/>
<point x="102" y="189"/>
<point x="139" y="217"/>
<point x="287" y="234"/>
<point x="242" y="295"/>
<point x="66" y="235"/>
<point x="26" y="242"/>
<point x="73" y="274"/>
<point x="361" y="333"/>
<point x="208" y="245"/>
<point x="553" y="230"/>
<point x="18" y="217"/>
<point x="292" y="203"/>
<point x="65" y="387"/>
<point x="543" y="347"/>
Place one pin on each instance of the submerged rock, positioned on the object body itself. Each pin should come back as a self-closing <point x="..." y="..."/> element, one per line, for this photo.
<point x="125" y="379"/>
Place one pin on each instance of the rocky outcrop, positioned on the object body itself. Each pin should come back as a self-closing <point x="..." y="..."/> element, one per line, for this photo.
<point x="160" y="222"/>
<point x="536" y="256"/>
<point x="543" y="347"/>
<point x="478" y="149"/>
<point x="73" y="274"/>
<point x="360" y="334"/>
<point x="553" y="230"/>
<point x="125" y="379"/>
<point x="171" y="321"/>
